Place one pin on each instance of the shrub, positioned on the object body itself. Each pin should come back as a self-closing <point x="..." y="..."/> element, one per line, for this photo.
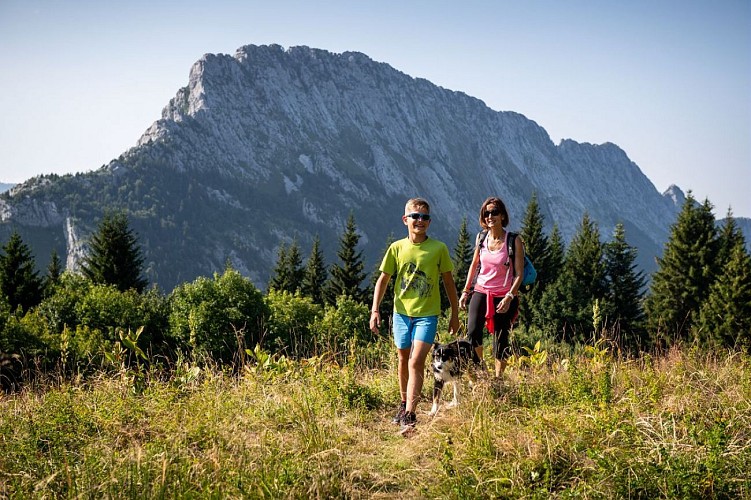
<point x="59" y="308"/>
<point x="80" y="317"/>
<point x="214" y="316"/>
<point x="106" y="308"/>
<point x="347" y="320"/>
<point x="288" y="327"/>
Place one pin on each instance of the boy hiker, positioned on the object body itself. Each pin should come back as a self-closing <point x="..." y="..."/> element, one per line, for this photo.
<point x="418" y="262"/>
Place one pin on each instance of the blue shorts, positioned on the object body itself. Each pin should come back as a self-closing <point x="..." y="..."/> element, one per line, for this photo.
<point x="407" y="330"/>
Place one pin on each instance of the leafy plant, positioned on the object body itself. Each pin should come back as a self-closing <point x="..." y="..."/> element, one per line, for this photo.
<point x="534" y="357"/>
<point x="131" y="370"/>
<point x="268" y="365"/>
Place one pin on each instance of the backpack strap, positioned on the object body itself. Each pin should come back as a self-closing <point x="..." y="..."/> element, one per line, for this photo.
<point x="481" y="237"/>
<point x="511" y="250"/>
<point x="479" y="242"/>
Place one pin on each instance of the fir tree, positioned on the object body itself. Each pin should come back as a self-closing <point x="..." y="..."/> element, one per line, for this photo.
<point x="556" y="255"/>
<point x="54" y="271"/>
<point x="729" y="235"/>
<point x="281" y="278"/>
<point x="294" y="265"/>
<point x="19" y="281"/>
<point x="623" y="309"/>
<point x="567" y="306"/>
<point x="288" y="272"/>
<point x="725" y="316"/>
<point x="114" y="257"/>
<point x="541" y="317"/>
<point x="537" y="247"/>
<point x="685" y="272"/>
<point x="347" y="277"/>
<point x="315" y="275"/>
<point x="463" y="252"/>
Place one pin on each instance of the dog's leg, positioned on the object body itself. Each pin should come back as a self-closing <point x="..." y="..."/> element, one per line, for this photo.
<point x="456" y="395"/>
<point x="437" y="390"/>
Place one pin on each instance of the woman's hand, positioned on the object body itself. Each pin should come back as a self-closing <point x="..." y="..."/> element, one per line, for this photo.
<point x="505" y="304"/>
<point x="463" y="300"/>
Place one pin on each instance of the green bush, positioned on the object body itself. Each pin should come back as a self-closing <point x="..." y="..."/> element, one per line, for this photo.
<point x="106" y="308"/>
<point x="59" y="308"/>
<point x="346" y="321"/>
<point x="288" y="328"/>
<point x="79" y="317"/>
<point x="84" y="345"/>
<point x="215" y="316"/>
<point x="18" y="336"/>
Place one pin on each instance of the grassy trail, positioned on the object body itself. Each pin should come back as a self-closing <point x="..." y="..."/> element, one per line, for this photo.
<point x="677" y="426"/>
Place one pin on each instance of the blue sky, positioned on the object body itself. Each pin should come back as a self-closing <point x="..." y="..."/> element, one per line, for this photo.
<point x="667" y="81"/>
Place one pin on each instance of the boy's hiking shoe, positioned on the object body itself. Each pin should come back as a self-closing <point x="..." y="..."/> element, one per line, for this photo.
<point x="409" y="420"/>
<point x="400" y="413"/>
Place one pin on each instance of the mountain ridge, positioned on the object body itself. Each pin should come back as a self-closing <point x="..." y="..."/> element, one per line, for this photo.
<point x="283" y="145"/>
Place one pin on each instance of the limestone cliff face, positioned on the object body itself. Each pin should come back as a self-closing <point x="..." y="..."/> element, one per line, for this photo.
<point x="271" y="145"/>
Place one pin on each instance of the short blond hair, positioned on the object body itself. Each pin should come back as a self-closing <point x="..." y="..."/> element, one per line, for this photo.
<point x="416" y="203"/>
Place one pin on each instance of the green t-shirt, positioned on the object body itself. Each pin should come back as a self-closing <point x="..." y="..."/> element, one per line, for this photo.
<point x="418" y="268"/>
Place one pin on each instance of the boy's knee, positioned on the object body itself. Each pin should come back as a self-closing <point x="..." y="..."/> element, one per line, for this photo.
<point x="417" y="364"/>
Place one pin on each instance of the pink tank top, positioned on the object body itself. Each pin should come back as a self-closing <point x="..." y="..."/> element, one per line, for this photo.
<point x="496" y="275"/>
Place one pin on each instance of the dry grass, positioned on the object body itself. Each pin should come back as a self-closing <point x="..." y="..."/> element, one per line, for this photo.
<point x="592" y="427"/>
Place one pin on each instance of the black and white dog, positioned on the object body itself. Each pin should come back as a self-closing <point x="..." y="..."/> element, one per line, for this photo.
<point x="450" y="361"/>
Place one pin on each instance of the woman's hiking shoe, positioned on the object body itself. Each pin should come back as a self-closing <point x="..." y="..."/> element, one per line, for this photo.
<point x="400" y="413"/>
<point x="409" y="420"/>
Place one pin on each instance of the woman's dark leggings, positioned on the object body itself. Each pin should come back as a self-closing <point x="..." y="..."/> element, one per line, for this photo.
<point x="502" y="321"/>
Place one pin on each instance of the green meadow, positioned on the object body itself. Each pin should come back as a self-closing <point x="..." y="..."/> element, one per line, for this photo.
<point x="560" y="424"/>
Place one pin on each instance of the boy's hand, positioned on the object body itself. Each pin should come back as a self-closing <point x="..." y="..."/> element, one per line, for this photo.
<point x="454" y="324"/>
<point x="375" y="321"/>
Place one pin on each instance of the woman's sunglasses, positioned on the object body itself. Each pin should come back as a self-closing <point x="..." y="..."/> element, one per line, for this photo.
<point x="416" y="216"/>
<point x="493" y="212"/>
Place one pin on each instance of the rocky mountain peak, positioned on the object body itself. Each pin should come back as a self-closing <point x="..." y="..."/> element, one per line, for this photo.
<point x="269" y="145"/>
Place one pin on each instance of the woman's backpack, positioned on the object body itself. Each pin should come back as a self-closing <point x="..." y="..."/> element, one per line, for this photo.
<point x="530" y="273"/>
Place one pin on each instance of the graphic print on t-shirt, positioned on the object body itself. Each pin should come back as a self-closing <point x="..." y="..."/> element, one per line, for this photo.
<point x="415" y="280"/>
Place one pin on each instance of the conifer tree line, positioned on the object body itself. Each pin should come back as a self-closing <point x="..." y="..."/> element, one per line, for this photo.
<point x="591" y="288"/>
<point x="586" y="290"/>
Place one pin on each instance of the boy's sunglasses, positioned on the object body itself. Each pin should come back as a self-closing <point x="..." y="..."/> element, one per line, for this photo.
<point x="416" y="216"/>
<point x="493" y="212"/>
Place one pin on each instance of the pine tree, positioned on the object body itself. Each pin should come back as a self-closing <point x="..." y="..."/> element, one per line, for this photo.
<point x="280" y="279"/>
<point x="725" y="316"/>
<point x="314" y="274"/>
<point x="728" y="238"/>
<point x="542" y="317"/>
<point x="556" y="255"/>
<point x="685" y="272"/>
<point x="463" y="252"/>
<point x="19" y="281"/>
<point x="294" y="265"/>
<point x="54" y="271"/>
<point x="347" y="277"/>
<point x="623" y="308"/>
<point x="537" y="247"/>
<point x="567" y="305"/>
<point x="115" y="257"/>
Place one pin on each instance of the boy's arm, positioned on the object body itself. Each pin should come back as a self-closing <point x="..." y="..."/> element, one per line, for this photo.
<point x="378" y="293"/>
<point x="450" y="286"/>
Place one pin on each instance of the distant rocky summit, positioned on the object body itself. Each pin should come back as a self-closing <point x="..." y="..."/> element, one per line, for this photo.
<point x="271" y="145"/>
